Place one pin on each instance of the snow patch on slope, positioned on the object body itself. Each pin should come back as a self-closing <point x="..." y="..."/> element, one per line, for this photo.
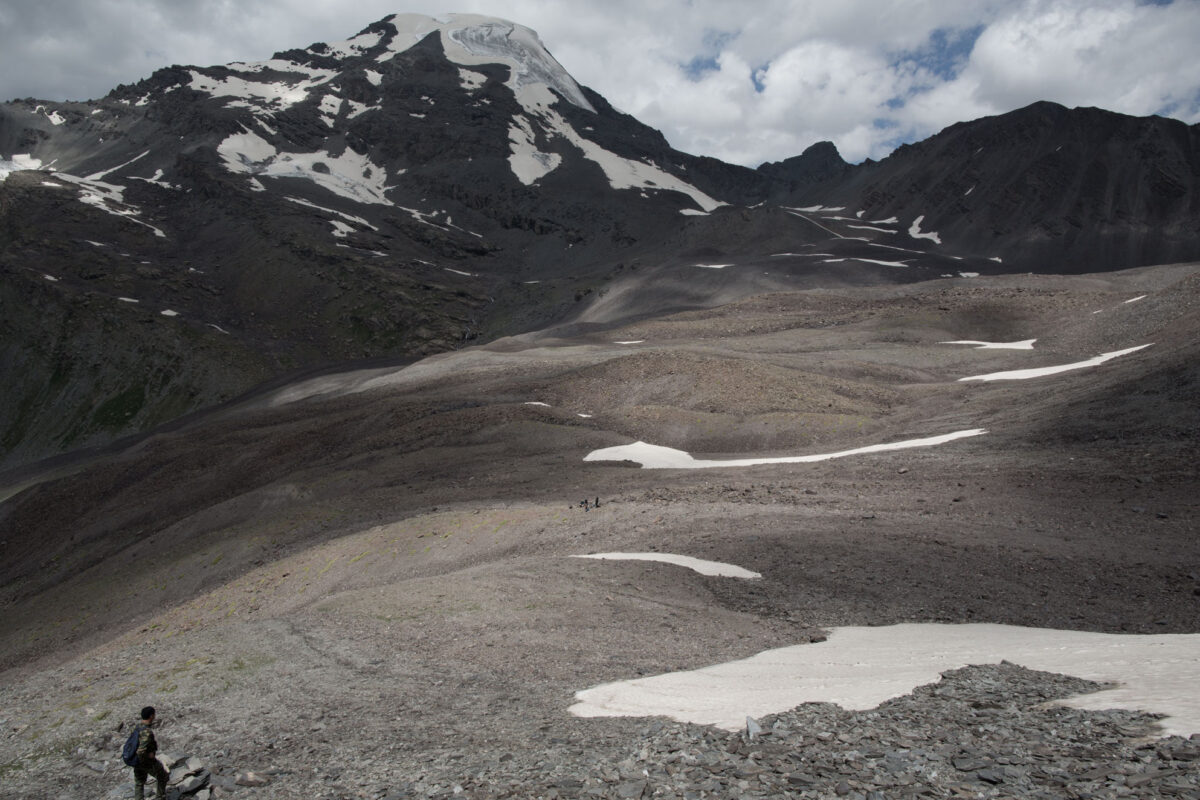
<point x="17" y="163"/>
<point x="471" y="80"/>
<point x="528" y="163"/>
<point x="107" y="197"/>
<point x="251" y="94"/>
<point x="914" y="231"/>
<point x="718" y="569"/>
<point x="348" y="175"/>
<point x="354" y="46"/>
<point x="622" y="173"/>
<point x="1038" y="372"/>
<point x="652" y="456"/>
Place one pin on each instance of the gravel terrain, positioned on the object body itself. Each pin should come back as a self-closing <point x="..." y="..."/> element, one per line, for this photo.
<point x="368" y="593"/>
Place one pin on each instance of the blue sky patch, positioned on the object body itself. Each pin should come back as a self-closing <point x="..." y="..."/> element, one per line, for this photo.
<point x="757" y="77"/>
<point x="698" y="66"/>
<point x="712" y="44"/>
<point x="945" y="54"/>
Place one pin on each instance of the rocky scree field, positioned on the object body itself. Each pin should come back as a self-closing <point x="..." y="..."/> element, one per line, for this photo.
<point x="361" y="585"/>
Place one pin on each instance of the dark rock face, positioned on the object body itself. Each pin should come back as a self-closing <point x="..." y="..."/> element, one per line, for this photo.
<point x="1046" y="188"/>
<point x="391" y="197"/>
<point x="820" y="162"/>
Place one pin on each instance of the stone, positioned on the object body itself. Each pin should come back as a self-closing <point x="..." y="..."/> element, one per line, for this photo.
<point x="969" y="763"/>
<point x="251" y="779"/>
<point x="222" y="782"/>
<point x="194" y="783"/>
<point x="992" y="776"/>
<point x="631" y="790"/>
<point x="753" y="729"/>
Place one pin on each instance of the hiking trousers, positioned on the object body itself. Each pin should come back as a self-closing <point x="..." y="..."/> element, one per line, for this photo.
<point x="152" y="767"/>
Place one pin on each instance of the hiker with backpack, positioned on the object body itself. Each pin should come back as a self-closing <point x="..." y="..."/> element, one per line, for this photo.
<point x="140" y="752"/>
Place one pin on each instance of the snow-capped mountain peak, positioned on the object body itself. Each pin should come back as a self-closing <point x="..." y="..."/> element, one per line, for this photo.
<point x="471" y="39"/>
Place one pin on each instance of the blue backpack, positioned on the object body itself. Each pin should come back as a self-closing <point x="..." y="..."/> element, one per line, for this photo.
<point x="129" y="751"/>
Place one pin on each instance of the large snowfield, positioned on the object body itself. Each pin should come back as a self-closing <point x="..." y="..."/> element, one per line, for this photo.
<point x="860" y="667"/>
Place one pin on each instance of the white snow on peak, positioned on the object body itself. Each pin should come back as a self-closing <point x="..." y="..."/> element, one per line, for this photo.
<point x="18" y="162"/>
<point x="485" y="41"/>
<point x="374" y="78"/>
<point x="471" y="39"/>
<point x="968" y="274"/>
<point x="914" y="231"/>
<point x="1038" y="372"/>
<point x="652" y="456"/>
<point x="354" y="46"/>
<point x="1135" y="299"/>
<point x="712" y="266"/>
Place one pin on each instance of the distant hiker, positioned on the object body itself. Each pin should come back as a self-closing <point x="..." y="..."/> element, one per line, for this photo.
<point x="597" y="502"/>
<point x="141" y="751"/>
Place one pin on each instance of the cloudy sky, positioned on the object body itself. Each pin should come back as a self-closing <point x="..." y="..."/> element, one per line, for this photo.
<point x="746" y="81"/>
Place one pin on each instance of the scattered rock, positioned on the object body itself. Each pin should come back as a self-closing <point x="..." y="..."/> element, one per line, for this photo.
<point x="753" y="729"/>
<point x="251" y="779"/>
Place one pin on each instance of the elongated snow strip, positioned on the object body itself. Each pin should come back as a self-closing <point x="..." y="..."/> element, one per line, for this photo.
<point x="652" y="456"/>
<point x="713" y="568"/>
<point x="1038" y="372"/>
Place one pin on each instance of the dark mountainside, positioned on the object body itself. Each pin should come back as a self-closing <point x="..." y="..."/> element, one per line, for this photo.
<point x="235" y="224"/>
<point x="1046" y="188"/>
